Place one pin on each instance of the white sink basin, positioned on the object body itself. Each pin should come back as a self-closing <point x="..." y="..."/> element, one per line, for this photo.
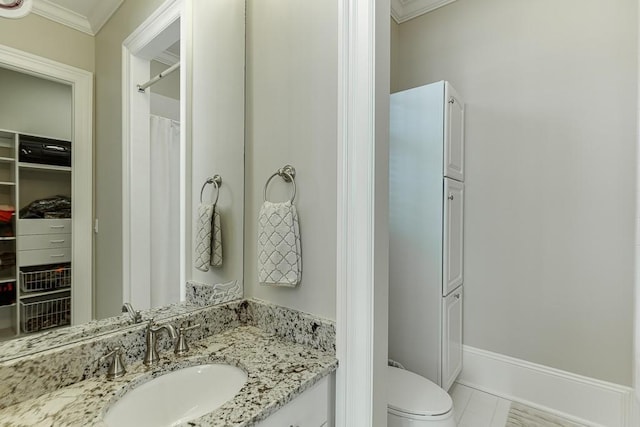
<point x="177" y="397"/>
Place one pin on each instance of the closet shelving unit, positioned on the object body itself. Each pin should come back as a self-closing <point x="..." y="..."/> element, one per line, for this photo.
<point x="40" y="281"/>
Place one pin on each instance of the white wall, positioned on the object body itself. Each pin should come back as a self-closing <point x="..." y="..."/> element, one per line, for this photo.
<point x="34" y="105"/>
<point x="218" y="128"/>
<point x="164" y="106"/>
<point x="550" y="134"/>
<point x="291" y="119"/>
<point x="169" y="86"/>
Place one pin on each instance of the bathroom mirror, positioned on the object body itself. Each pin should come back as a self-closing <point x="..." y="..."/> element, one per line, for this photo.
<point x="206" y="97"/>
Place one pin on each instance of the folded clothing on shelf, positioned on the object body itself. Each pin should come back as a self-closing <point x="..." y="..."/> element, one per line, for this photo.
<point x="6" y="213"/>
<point x="51" y="207"/>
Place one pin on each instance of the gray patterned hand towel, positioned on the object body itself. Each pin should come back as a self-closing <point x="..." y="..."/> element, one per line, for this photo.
<point x="279" y="255"/>
<point x="208" y="248"/>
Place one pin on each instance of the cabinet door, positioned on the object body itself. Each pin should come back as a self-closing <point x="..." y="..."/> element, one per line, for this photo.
<point x="451" y="338"/>
<point x="453" y="134"/>
<point x="310" y="409"/>
<point x="453" y="236"/>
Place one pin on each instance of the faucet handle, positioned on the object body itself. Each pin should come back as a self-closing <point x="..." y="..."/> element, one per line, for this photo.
<point x="182" y="347"/>
<point x="136" y="316"/>
<point x="189" y="327"/>
<point x="116" y="367"/>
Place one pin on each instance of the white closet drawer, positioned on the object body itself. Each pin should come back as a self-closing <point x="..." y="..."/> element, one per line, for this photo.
<point x="44" y="241"/>
<point x="44" y="226"/>
<point x="44" y="256"/>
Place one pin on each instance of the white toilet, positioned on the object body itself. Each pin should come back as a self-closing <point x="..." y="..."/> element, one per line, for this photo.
<point x="414" y="401"/>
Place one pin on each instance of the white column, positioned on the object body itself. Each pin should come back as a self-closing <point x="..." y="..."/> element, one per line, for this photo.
<point x="362" y="265"/>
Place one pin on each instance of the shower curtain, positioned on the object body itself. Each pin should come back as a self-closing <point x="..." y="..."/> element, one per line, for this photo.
<point x="165" y="211"/>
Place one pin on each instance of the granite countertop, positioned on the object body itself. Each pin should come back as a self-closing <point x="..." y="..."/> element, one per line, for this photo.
<point x="278" y="371"/>
<point x="41" y="341"/>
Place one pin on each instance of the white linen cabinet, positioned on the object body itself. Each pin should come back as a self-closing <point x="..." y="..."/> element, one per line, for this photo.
<point x="426" y="196"/>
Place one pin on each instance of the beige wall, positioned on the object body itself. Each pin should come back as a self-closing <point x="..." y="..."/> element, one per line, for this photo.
<point x="381" y="225"/>
<point x="291" y="97"/>
<point x="33" y="105"/>
<point x="42" y="37"/>
<point x="550" y="89"/>
<point x="108" y="152"/>
<point x="395" y="53"/>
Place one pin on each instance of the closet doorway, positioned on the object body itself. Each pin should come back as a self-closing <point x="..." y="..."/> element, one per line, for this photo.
<point x="43" y="155"/>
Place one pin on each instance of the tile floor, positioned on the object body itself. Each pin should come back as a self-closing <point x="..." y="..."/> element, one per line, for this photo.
<point x="474" y="408"/>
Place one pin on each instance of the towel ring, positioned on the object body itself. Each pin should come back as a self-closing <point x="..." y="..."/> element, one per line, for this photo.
<point x="216" y="180"/>
<point x="288" y="173"/>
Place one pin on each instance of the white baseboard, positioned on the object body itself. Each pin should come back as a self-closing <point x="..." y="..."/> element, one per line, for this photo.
<point x="580" y="399"/>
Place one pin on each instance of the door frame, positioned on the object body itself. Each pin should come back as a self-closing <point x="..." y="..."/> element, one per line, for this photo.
<point x="362" y="278"/>
<point x="81" y="82"/>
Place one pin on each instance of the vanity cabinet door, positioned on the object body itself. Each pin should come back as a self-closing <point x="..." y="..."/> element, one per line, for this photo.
<point x="452" y="273"/>
<point x="451" y="338"/>
<point x="311" y="409"/>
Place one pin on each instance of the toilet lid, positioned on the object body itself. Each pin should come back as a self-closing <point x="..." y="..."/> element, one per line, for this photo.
<point x="415" y="395"/>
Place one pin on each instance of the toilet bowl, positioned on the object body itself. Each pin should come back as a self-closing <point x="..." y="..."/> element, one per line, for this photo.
<point x="414" y="401"/>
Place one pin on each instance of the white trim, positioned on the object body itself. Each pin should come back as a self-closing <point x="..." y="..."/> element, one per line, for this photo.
<point x="404" y="10"/>
<point x="581" y="399"/>
<point x="632" y="407"/>
<point x="186" y="97"/>
<point x="135" y="238"/>
<point x="355" y="343"/>
<point x="81" y="82"/>
<point x="635" y="403"/>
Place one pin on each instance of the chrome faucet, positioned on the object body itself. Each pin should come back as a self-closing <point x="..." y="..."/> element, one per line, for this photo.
<point x="136" y="317"/>
<point x="116" y="367"/>
<point x="151" y="354"/>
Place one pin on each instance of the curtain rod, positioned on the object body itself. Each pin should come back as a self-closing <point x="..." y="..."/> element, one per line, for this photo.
<point x="143" y="87"/>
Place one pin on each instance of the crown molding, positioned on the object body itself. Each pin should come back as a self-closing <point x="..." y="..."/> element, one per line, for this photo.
<point x="62" y="15"/>
<point x="102" y="11"/>
<point x="404" y="10"/>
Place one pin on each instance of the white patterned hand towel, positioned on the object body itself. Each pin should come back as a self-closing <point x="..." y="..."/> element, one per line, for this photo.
<point x="216" y="239"/>
<point x="208" y="237"/>
<point x="279" y="255"/>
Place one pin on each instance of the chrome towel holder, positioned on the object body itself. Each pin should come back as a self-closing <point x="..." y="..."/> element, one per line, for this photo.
<point x="216" y="180"/>
<point x="288" y="174"/>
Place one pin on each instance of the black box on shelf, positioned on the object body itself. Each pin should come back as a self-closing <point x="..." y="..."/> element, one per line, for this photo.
<point x="45" y="151"/>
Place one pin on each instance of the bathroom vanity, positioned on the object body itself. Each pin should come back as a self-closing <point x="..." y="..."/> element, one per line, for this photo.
<point x="288" y="358"/>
